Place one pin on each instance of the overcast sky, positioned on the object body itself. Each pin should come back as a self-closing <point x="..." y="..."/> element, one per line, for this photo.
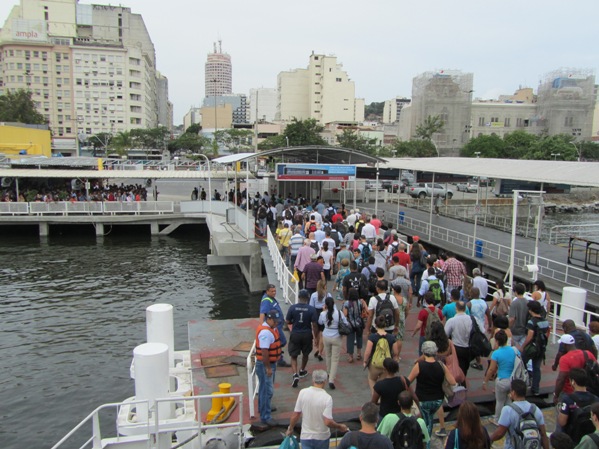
<point x="382" y="44"/>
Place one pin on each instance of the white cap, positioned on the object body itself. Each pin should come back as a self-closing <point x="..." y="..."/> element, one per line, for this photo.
<point x="566" y="339"/>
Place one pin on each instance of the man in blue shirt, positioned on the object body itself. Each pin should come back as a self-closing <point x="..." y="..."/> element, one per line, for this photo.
<point x="449" y="310"/>
<point x="268" y="303"/>
<point x="303" y="321"/>
<point x="510" y="418"/>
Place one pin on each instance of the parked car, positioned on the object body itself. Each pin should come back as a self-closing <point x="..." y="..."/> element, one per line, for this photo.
<point x="390" y="185"/>
<point x="372" y="184"/>
<point x="422" y="190"/>
<point x="466" y="187"/>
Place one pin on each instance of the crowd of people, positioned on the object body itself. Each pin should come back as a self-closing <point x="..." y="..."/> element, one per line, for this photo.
<point x="359" y="281"/>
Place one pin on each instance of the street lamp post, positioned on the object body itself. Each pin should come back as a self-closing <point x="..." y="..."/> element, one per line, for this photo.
<point x="555" y="155"/>
<point x="209" y="183"/>
<point x="430" y="216"/>
<point x="578" y="152"/>
<point x="476" y="208"/>
<point x="287" y="139"/>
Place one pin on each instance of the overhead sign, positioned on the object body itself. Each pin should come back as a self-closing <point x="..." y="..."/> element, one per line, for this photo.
<point x="315" y="172"/>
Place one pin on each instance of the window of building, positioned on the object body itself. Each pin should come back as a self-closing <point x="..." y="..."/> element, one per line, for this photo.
<point x="506" y="122"/>
<point x="494" y="119"/>
<point x="338" y="80"/>
<point x="481" y="121"/>
<point x="568" y="121"/>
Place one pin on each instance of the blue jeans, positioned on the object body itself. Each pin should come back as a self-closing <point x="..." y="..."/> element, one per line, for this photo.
<point x="428" y="410"/>
<point x="315" y="444"/>
<point x="421" y="340"/>
<point x="355" y="335"/>
<point x="265" y="389"/>
<point x="536" y="372"/>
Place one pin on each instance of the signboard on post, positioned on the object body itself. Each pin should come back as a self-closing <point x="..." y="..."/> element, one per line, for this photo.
<point x="315" y="172"/>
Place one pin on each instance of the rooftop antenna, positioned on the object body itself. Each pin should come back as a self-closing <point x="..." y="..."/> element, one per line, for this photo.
<point x="214" y="44"/>
<point x="220" y="49"/>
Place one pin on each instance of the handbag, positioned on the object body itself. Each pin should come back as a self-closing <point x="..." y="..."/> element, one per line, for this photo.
<point x="453" y="365"/>
<point x="343" y="327"/>
<point x="447" y="389"/>
<point x="290" y="442"/>
<point x="295" y="277"/>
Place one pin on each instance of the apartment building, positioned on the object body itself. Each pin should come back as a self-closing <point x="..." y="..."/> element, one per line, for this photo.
<point x="91" y="68"/>
<point x="322" y="91"/>
<point x="392" y="109"/>
<point x="263" y="104"/>
<point x="218" y="73"/>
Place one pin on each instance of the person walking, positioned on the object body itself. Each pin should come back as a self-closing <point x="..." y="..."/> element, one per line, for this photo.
<point x="387" y="390"/>
<point x="509" y="419"/>
<point x="535" y="344"/>
<point x="354" y="310"/>
<point x="518" y="315"/>
<point x="573" y="358"/>
<point x="315" y="407"/>
<point x="404" y="307"/>
<point x="330" y="318"/>
<point x="458" y="329"/>
<point x="429" y="375"/>
<point x="570" y="414"/>
<point x="317" y="300"/>
<point x="405" y="401"/>
<point x="501" y="366"/>
<point x="454" y="273"/>
<point x="367" y="436"/>
<point x="303" y="258"/>
<point x="268" y="351"/>
<point x="469" y="432"/>
<point x="303" y="322"/>
<point x="376" y="372"/>
<point x="268" y="303"/>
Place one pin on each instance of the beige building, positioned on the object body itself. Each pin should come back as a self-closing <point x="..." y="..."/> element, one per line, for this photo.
<point x="218" y="73"/>
<point x="220" y="117"/>
<point x="263" y="104"/>
<point x="392" y="109"/>
<point x="501" y="118"/>
<point x="192" y="117"/>
<point x="323" y="91"/>
<point x="91" y="68"/>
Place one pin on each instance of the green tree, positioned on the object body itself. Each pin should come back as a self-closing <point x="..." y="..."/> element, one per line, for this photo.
<point x="589" y="150"/>
<point x="191" y="142"/>
<point x="374" y="110"/>
<point x="518" y="144"/>
<point x="491" y="146"/>
<point x="352" y="139"/>
<point x="121" y="143"/>
<point x="304" y="132"/>
<point x="272" y="142"/>
<point x="413" y="148"/>
<point x="430" y="126"/>
<point x="194" y="128"/>
<point x="19" y="107"/>
<point x="558" y="147"/>
<point x="236" y="140"/>
<point x="100" y="141"/>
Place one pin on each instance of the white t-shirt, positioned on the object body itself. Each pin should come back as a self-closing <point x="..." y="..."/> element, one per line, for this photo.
<point x="373" y="302"/>
<point x="314" y="403"/>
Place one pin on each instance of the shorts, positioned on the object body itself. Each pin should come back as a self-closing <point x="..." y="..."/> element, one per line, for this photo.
<point x="300" y="343"/>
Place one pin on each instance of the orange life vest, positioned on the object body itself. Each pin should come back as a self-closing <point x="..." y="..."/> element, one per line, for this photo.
<point x="274" y="351"/>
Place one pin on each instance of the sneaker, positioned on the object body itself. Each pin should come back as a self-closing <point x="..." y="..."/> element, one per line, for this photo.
<point x="331" y="385"/>
<point x="441" y="433"/>
<point x="295" y="382"/>
<point x="476" y="366"/>
<point x="303" y="373"/>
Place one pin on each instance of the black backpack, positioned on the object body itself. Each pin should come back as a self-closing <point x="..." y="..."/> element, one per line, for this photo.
<point x="479" y="343"/>
<point x="407" y="433"/>
<point x="262" y="213"/>
<point x="592" y="369"/>
<point x="372" y="280"/>
<point x="269" y="215"/>
<point x="579" y="420"/>
<point x="385" y="307"/>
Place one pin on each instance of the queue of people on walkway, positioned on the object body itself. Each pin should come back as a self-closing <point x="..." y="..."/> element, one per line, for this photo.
<point x="376" y="282"/>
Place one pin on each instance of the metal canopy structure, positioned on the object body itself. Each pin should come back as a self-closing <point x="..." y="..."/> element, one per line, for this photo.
<point x="312" y="154"/>
<point x="109" y="174"/>
<point x="555" y="172"/>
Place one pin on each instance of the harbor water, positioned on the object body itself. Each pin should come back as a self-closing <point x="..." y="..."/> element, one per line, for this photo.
<point x="73" y="309"/>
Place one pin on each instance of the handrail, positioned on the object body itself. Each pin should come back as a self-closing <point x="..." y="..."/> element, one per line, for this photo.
<point x="253" y="381"/>
<point x="284" y="276"/>
<point x="556" y="230"/>
<point x="567" y="274"/>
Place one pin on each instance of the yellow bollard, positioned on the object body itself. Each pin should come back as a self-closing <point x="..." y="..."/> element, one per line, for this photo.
<point x="215" y="410"/>
<point x="225" y="388"/>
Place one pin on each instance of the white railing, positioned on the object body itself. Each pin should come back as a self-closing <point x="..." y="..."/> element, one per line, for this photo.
<point x="14" y="208"/>
<point x="562" y="233"/>
<point x="583" y="324"/>
<point x="253" y="381"/>
<point x="548" y="268"/>
<point x="288" y="286"/>
<point x="155" y="425"/>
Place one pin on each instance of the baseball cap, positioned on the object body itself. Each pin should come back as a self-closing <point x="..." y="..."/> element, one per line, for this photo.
<point x="566" y="339"/>
<point x="273" y="314"/>
<point x="415" y="238"/>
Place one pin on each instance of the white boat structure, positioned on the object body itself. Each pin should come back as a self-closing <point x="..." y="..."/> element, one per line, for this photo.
<point x="164" y="413"/>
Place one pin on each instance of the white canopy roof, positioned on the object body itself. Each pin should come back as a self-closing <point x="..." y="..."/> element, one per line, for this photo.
<point x="555" y="172"/>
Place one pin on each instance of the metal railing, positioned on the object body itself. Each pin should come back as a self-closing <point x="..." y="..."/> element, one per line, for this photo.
<point x="67" y="208"/>
<point x="562" y="233"/>
<point x="155" y="426"/>
<point x="253" y="381"/>
<point x="587" y="317"/>
<point x="288" y="286"/>
<point x="560" y="272"/>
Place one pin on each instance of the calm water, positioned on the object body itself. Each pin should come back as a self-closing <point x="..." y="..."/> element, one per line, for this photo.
<point x="72" y="310"/>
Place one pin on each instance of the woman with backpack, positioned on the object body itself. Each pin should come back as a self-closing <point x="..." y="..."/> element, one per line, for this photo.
<point x="317" y="300"/>
<point x="354" y="309"/>
<point x="469" y="432"/>
<point x="388" y="388"/>
<point x="377" y="351"/>
<point x="404" y="309"/>
<point x="418" y="258"/>
<point x="500" y="368"/>
<point x="327" y="255"/>
<point x="502" y="299"/>
<point x="429" y="375"/>
<point x="343" y="271"/>
<point x="535" y="344"/>
<point x="541" y="294"/>
<point x="330" y="318"/>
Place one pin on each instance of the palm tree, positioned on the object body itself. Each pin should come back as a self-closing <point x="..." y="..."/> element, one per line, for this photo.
<point x="122" y="142"/>
<point x="430" y="126"/>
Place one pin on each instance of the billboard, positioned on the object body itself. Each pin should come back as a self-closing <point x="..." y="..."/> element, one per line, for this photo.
<point x="315" y="172"/>
<point x="29" y="30"/>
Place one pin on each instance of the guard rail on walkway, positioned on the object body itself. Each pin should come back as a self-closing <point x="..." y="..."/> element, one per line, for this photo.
<point x="561" y="272"/>
<point x="562" y="233"/>
<point x="581" y="317"/>
<point x="148" y="433"/>
<point x="288" y="286"/>
<point x="67" y="208"/>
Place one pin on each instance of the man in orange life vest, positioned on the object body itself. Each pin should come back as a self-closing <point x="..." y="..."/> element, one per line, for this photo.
<point x="268" y="351"/>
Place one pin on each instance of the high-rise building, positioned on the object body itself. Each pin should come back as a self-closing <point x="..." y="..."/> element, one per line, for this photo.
<point x="91" y="68"/>
<point x="263" y="104"/>
<point x="447" y="94"/>
<point x="218" y="73"/>
<point x="323" y="91"/>
<point x="392" y="109"/>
